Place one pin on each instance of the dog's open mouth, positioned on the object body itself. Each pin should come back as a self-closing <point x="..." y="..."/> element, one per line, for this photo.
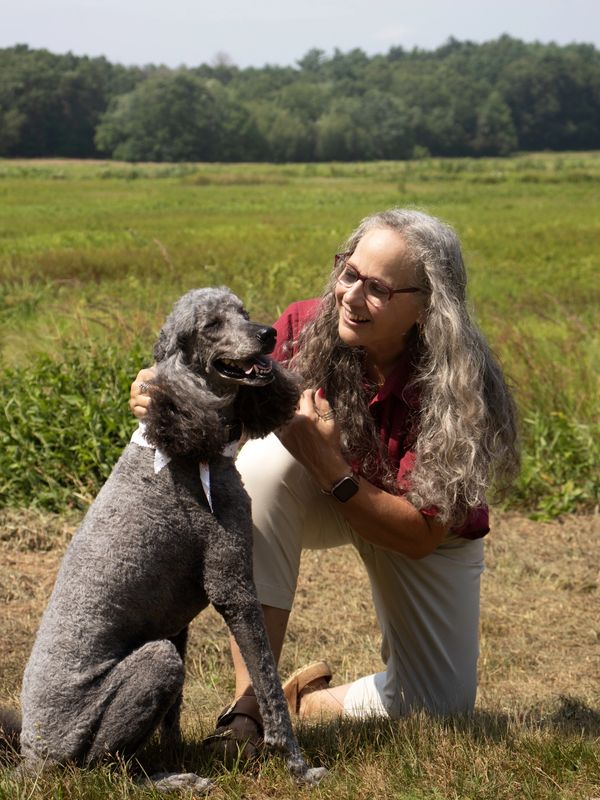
<point x="257" y="369"/>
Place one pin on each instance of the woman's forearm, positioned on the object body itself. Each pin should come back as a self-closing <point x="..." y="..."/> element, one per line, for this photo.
<point x="384" y="519"/>
<point x="391" y="521"/>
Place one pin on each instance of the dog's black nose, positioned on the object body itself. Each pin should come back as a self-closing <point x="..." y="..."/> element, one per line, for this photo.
<point x="267" y="337"/>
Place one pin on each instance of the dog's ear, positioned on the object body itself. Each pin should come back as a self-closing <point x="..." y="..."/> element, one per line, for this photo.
<point x="177" y="332"/>
<point x="163" y="346"/>
<point x="264" y="409"/>
<point x="183" y="417"/>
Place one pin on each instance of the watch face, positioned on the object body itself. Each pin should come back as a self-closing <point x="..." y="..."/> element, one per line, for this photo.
<point x="345" y="489"/>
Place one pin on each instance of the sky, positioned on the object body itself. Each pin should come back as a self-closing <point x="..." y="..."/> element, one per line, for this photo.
<point x="259" y="32"/>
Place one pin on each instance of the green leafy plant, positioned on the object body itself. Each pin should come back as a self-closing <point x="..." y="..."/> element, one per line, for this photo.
<point x="63" y="425"/>
<point x="90" y="264"/>
<point x="560" y="462"/>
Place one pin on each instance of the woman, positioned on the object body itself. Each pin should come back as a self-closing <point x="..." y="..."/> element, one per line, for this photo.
<point x="405" y="422"/>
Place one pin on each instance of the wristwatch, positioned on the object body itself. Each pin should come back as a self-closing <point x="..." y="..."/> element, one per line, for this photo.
<point x="344" y="489"/>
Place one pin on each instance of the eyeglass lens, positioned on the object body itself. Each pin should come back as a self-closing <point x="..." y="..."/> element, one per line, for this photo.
<point x="374" y="290"/>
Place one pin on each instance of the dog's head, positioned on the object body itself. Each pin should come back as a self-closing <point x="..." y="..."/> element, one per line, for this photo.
<point x="214" y="369"/>
<point x="211" y="333"/>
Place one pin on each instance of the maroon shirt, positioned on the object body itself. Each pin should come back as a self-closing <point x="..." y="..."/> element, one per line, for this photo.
<point x="393" y="407"/>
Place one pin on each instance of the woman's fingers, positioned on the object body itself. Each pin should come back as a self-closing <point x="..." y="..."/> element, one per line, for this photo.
<point x="306" y="405"/>
<point x="139" y="405"/>
<point x="139" y="396"/>
<point x="313" y="438"/>
<point x="322" y="408"/>
<point x="315" y="405"/>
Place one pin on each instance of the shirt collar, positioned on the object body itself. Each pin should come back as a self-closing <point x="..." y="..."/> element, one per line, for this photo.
<point x="396" y="382"/>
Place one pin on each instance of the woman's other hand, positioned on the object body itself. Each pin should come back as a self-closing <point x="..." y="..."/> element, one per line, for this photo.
<point x="313" y="438"/>
<point x="139" y="397"/>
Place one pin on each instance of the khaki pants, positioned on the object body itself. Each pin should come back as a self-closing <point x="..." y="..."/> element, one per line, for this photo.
<point x="427" y="609"/>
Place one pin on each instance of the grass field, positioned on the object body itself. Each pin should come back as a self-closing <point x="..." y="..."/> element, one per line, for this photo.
<point x="114" y="242"/>
<point x="92" y="255"/>
<point x="535" y="734"/>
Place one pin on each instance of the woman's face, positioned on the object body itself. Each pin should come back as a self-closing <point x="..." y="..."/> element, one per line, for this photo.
<point x="381" y="254"/>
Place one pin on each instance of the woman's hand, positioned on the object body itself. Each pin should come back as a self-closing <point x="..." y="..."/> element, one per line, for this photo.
<point x="386" y="520"/>
<point x="139" y="397"/>
<point x="313" y="438"/>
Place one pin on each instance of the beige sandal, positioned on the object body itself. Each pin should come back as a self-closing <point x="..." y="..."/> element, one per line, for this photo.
<point x="300" y="680"/>
<point x="229" y="744"/>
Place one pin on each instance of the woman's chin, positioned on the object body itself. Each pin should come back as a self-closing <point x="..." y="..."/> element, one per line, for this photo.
<point x="352" y="336"/>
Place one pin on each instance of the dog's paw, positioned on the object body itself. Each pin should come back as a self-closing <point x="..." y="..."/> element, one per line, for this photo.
<point x="313" y="776"/>
<point x="177" y="781"/>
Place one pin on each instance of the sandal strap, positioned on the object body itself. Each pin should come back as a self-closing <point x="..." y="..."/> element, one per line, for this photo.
<point x="246" y="705"/>
<point x="299" y="680"/>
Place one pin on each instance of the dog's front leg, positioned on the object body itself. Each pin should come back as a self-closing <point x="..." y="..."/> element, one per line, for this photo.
<point x="245" y="620"/>
<point x="230" y="588"/>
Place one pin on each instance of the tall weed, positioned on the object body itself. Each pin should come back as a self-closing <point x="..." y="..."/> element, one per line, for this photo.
<point x="556" y="385"/>
<point x="64" y="422"/>
<point x="100" y="254"/>
<point x="63" y="425"/>
<point x="561" y="457"/>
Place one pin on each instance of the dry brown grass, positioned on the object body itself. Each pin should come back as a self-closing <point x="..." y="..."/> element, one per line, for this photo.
<point x="539" y="665"/>
<point x="540" y="626"/>
<point x="540" y="629"/>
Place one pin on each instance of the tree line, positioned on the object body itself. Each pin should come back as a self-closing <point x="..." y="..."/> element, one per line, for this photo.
<point x="461" y="99"/>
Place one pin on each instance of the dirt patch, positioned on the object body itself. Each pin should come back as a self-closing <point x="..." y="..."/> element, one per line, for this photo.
<point x="540" y="631"/>
<point x="540" y="626"/>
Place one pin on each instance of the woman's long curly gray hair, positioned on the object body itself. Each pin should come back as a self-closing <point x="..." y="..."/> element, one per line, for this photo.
<point x="466" y="429"/>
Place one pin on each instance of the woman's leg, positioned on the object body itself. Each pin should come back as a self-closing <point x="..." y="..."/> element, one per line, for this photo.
<point x="428" y="611"/>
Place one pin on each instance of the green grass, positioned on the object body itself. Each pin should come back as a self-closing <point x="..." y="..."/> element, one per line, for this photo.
<point x="491" y="757"/>
<point x="95" y="253"/>
<point x="63" y="425"/>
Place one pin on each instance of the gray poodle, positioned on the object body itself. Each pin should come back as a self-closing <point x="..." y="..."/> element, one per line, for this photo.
<point x="155" y="548"/>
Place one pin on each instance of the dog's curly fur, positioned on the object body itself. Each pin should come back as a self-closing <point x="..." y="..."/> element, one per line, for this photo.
<point x="107" y="665"/>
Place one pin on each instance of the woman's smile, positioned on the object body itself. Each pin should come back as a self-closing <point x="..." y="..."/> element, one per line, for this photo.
<point x="353" y="317"/>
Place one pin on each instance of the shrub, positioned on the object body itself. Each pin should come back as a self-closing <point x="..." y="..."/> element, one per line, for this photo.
<point x="560" y="463"/>
<point x="63" y="425"/>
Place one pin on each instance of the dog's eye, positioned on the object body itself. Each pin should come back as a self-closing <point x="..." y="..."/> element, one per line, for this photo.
<point x="212" y="324"/>
<point x="245" y="314"/>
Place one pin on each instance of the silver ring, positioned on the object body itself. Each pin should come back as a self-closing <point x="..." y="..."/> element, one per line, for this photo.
<point x="144" y="387"/>
<point x="327" y="415"/>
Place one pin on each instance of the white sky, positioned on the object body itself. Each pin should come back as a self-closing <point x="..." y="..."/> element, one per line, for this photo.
<point x="257" y="32"/>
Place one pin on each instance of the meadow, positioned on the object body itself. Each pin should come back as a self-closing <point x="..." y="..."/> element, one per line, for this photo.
<point x="92" y="256"/>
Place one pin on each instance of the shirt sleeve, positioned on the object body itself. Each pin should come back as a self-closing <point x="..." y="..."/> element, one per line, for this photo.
<point x="289" y="325"/>
<point x="285" y="336"/>
<point x="476" y="524"/>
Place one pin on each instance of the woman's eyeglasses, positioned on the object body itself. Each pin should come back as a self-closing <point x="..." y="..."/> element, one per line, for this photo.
<point x="376" y="292"/>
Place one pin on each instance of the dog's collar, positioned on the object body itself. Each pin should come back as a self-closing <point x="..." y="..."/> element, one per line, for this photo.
<point x="162" y="459"/>
<point x="139" y="437"/>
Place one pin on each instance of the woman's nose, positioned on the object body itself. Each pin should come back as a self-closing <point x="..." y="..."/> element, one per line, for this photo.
<point x="355" y="294"/>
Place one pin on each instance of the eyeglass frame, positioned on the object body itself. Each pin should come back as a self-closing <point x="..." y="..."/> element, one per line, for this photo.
<point x="343" y="258"/>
